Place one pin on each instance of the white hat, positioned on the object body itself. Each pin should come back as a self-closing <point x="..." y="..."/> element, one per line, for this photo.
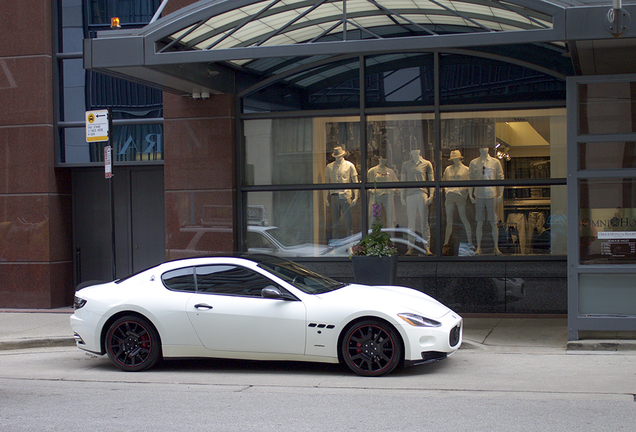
<point x="456" y="154"/>
<point x="338" y="151"/>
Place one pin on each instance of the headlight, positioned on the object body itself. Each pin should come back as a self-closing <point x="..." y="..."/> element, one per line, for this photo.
<point x="78" y="303"/>
<point x="418" y="320"/>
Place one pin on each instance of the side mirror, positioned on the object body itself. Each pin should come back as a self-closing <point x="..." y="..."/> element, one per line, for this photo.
<point x="271" y="292"/>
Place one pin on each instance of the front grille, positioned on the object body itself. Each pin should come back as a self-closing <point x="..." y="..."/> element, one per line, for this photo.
<point x="455" y="335"/>
<point x="433" y="356"/>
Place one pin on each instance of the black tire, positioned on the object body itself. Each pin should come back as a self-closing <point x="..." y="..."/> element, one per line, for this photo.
<point x="371" y="348"/>
<point x="133" y="344"/>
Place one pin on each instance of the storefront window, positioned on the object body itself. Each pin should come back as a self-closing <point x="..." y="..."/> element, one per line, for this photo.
<point x="473" y="80"/>
<point x="326" y="86"/>
<point x="607" y="107"/>
<point x="535" y="225"/>
<point x="298" y="151"/>
<point x="398" y="78"/>
<point x="607" y="155"/>
<point x="607" y="221"/>
<point x="395" y="139"/>
<point x="301" y="224"/>
<point x="529" y="144"/>
<point x="464" y="184"/>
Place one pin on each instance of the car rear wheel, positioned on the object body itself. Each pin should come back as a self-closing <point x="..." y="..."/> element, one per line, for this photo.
<point x="371" y="348"/>
<point x="132" y="344"/>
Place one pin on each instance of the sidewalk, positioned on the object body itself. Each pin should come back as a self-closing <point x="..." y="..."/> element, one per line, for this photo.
<point x="37" y="328"/>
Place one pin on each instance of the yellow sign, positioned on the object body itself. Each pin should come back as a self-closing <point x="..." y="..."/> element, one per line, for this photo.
<point x="97" y="126"/>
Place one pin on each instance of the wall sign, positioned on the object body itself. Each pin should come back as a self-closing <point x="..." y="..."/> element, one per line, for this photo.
<point x="97" y="126"/>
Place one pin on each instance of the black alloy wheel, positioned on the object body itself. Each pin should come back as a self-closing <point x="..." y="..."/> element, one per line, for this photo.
<point x="371" y="348"/>
<point x="132" y="344"/>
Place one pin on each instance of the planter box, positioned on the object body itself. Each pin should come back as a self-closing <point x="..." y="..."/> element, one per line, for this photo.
<point x="370" y="270"/>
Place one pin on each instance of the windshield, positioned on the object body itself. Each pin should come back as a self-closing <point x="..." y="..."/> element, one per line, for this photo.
<point x="301" y="277"/>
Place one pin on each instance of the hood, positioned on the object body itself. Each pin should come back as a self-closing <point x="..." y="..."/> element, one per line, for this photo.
<point x="401" y="299"/>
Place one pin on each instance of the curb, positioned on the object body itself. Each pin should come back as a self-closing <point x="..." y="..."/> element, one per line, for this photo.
<point x="36" y="343"/>
<point x="468" y="344"/>
<point x="610" y="345"/>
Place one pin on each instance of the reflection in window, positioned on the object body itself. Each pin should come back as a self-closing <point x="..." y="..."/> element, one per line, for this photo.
<point x="607" y="155"/>
<point x="331" y="86"/>
<point x="230" y="280"/>
<point x="470" y="80"/>
<point x="394" y="79"/>
<point x="179" y="279"/>
<point x="393" y="140"/>
<point x="478" y="150"/>
<point x="297" y="151"/>
<point x="606" y="108"/>
<point x="129" y="11"/>
<point x="131" y="143"/>
<point x="533" y="225"/>
<point x="300" y="224"/>
<point x="607" y="221"/>
<point x="530" y="144"/>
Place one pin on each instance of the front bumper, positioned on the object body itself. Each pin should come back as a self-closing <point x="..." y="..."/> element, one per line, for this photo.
<point x="429" y="345"/>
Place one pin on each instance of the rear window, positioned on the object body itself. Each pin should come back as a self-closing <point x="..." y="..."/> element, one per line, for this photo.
<point x="179" y="280"/>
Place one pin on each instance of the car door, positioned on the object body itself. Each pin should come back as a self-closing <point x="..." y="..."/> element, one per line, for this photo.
<point x="229" y="313"/>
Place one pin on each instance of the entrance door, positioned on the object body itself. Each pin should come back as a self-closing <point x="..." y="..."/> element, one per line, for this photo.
<point x="147" y="216"/>
<point x="139" y="221"/>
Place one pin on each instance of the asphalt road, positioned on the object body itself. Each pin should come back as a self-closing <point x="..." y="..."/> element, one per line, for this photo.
<point x="65" y="389"/>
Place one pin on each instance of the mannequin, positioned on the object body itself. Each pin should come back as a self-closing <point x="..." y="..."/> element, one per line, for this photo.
<point x="456" y="196"/>
<point x="486" y="198"/>
<point x="341" y="201"/>
<point x="417" y="200"/>
<point x="381" y="174"/>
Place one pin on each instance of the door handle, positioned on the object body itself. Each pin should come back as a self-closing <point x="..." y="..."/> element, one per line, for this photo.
<point x="203" y="306"/>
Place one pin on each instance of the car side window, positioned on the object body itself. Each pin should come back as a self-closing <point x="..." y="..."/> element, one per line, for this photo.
<point x="231" y="280"/>
<point x="179" y="279"/>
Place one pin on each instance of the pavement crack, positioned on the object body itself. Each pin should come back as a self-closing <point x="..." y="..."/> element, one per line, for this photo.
<point x="490" y="332"/>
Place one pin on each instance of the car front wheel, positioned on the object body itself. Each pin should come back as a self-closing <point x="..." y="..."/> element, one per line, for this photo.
<point x="132" y="344"/>
<point x="371" y="348"/>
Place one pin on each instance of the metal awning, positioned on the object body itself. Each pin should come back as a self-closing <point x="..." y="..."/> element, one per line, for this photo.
<point x="212" y="45"/>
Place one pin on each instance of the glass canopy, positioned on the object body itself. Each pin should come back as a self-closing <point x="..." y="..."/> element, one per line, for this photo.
<point x="285" y="22"/>
<point x="189" y="50"/>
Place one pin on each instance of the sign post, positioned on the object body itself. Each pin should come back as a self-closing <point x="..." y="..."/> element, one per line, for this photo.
<point x="99" y="126"/>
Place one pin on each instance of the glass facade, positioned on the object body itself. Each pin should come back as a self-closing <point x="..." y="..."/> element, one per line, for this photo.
<point x="607" y="107"/>
<point x="136" y="109"/>
<point x="457" y="183"/>
<point x="603" y="191"/>
<point x="607" y="231"/>
<point x="606" y="188"/>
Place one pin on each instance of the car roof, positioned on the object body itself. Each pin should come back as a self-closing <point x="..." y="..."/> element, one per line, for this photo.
<point x="209" y="259"/>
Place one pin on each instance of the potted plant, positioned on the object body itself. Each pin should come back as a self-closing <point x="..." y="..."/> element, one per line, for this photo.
<point x="374" y="257"/>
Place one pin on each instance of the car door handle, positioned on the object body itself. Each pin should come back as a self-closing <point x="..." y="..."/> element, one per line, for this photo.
<point x="203" y="306"/>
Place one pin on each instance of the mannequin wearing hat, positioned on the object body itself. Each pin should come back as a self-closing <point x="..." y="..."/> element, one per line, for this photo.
<point x="384" y="197"/>
<point x="341" y="200"/>
<point x="456" y="196"/>
<point x="417" y="200"/>
<point x="486" y="198"/>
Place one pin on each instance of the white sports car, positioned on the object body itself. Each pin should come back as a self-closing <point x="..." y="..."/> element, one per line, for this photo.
<point x="262" y="308"/>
